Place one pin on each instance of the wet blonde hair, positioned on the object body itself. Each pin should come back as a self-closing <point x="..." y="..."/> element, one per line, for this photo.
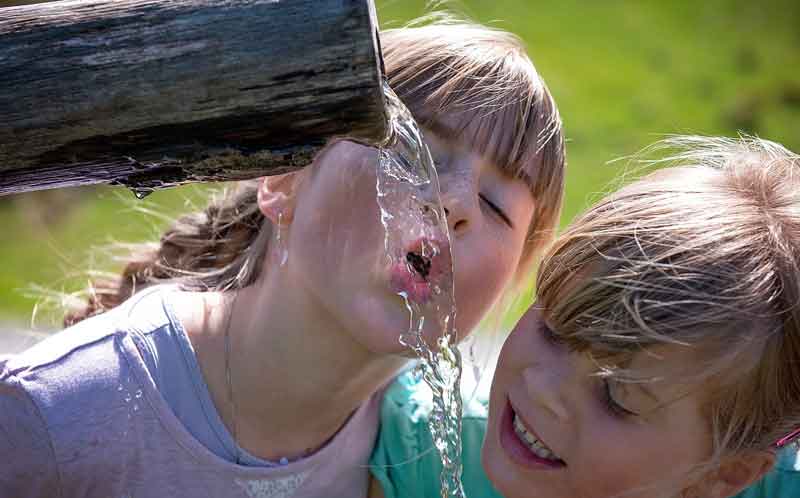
<point x="443" y="66"/>
<point x="705" y="254"/>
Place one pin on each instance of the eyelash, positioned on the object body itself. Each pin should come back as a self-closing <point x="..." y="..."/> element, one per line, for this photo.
<point x="494" y="207"/>
<point x="612" y="406"/>
<point x="497" y="210"/>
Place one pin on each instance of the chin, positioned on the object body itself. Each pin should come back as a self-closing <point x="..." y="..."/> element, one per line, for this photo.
<point x="494" y="468"/>
<point x="491" y="461"/>
<point x="500" y="470"/>
<point x="377" y="322"/>
<point x="382" y="337"/>
<point x="503" y="477"/>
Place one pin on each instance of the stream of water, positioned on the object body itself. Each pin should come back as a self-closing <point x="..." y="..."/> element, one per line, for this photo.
<point x="417" y="241"/>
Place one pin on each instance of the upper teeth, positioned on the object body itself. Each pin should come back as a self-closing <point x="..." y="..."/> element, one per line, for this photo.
<point x="536" y="446"/>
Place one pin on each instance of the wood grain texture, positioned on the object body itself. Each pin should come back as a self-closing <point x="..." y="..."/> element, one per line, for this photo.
<point x="150" y="93"/>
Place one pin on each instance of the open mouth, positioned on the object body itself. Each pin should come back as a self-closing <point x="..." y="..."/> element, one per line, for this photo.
<point x="417" y="277"/>
<point x="421" y="264"/>
<point x="524" y="445"/>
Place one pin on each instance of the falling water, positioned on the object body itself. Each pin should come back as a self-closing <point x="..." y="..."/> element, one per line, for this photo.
<point x="418" y="243"/>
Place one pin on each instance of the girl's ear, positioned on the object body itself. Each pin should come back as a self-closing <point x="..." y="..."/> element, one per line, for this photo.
<point x="736" y="473"/>
<point x="276" y="197"/>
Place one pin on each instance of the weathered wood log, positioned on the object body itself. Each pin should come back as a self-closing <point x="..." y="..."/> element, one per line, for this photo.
<point x="151" y="93"/>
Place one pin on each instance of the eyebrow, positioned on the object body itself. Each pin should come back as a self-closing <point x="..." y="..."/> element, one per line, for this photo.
<point x="447" y="132"/>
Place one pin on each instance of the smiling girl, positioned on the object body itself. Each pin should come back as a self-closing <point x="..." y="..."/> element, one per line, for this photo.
<point x="246" y="354"/>
<point x="662" y="358"/>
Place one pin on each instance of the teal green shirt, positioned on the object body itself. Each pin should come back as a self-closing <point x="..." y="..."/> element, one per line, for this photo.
<point x="405" y="460"/>
<point x="407" y="465"/>
<point x="782" y="482"/>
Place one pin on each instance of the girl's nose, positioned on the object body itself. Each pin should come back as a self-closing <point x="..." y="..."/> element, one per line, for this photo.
<point x="457" y="213"/>
<point x="545" y="387"/>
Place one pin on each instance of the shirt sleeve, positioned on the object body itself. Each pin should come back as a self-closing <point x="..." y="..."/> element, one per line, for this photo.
<point x="28" y="467"/>
<point x="394" y="461"/>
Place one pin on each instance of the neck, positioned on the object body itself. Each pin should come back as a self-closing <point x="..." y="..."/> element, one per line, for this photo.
<point x="296" y="374"/>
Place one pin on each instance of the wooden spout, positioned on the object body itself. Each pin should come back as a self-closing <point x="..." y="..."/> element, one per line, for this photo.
<point x="153" y="93"/>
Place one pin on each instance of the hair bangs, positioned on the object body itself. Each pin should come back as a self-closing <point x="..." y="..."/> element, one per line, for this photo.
<point x="647" y="268"/>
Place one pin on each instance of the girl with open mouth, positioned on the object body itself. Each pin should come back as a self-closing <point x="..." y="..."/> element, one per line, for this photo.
<point x="662" y="357"/>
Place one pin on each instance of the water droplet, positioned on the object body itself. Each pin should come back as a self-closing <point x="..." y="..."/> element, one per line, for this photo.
<point x="280" y="246"/>
<point x="141" y="192"/>
<point x="128" y="397"/>
<point x="139" y="393"/>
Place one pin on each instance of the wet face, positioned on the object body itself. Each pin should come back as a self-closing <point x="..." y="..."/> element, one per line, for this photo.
<point x="336" y="240"/>
<point x="558" y="431"/>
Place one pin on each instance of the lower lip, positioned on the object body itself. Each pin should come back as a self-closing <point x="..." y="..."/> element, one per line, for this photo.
<point x="412" y="285"/>
<point x="515" y="448"/>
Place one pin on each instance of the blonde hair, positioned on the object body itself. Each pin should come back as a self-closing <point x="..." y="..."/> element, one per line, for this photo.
<point x="446" y="66"/>
<point x="705" y="254"/>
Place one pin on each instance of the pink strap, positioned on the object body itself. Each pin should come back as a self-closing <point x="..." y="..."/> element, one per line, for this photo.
<point x="788" y="438"/>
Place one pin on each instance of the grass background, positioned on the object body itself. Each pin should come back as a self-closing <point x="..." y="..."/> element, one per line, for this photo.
<point x="623" y="73"/>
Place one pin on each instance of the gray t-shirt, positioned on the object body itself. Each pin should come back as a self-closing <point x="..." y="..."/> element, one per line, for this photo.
<point x="171" y="362"/>
<point x="82" y="416"/>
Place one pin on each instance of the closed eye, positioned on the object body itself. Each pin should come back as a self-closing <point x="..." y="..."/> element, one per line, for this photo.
<point x="612" y="405"/>
<point x="497" y="210"/>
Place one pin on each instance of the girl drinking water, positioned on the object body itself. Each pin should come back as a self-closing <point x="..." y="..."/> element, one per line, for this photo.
<point x="662" y="357"/>
<point x="246" y="353"/>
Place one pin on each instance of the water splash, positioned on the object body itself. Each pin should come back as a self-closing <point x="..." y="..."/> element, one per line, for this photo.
<point x="411" y="210"/>
<point x="141" y="192"/>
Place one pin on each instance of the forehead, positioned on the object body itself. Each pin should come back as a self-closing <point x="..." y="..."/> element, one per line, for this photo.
<point x="667" y="363"/>
<point x="485" y="135"/>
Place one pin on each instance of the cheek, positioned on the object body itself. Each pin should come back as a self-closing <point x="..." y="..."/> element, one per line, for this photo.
<point x="521" y="348"/>
<point x="649" y="459"/>
<point x="614" y="468"/>
<point x="489" y="259"/>
<point x="342" y="194"/>
<point x="480" y="277"/>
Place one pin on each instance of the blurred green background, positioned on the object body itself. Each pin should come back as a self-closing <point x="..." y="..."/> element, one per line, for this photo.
<point x="624" y="74"/>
